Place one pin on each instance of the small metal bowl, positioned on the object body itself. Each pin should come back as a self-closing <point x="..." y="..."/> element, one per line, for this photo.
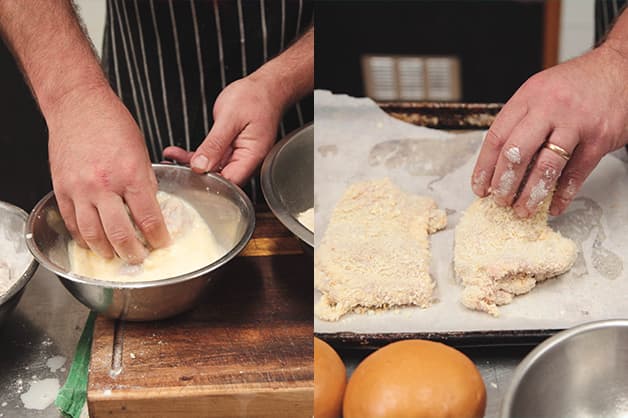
<point x="226" y="209"/>
<point x="12" y="223"/>
<point x="287" y="179"/>
<point x="580" y="372"/>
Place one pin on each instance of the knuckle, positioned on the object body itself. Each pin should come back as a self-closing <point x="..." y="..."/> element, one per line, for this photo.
<point x="562" y="200"/>
<point x="65" y="186"/>
<point x="140" y="186"/>
<point x="593" y="151"/>
<point x="98" y="179"/>
<point x="550" y="168"/>
<point x="560" y="96"/>
<point x="575" y="175"/>
<point x="91" y="234"/>
<point x="212" y="145"/>
<point x="72" y="228"/>
<point x="129" y="174"/>
<point x="149" y="223"/>
<point x="493" y="139"/>
<point x="536" y="82"/>
<point x="119" y="237"/>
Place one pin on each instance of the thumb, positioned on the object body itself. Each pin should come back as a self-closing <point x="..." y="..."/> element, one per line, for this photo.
<point x="208" y="154"/>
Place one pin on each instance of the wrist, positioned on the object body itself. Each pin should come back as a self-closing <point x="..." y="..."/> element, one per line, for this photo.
<point x="617" y="38"/>
<point x="59" y="92"/>
<point x="278" y="88"/>
<point x="615" y="64"/>
<point x="618" y="47"/>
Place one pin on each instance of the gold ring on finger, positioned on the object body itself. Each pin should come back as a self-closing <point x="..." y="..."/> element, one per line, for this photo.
<point x="558" y="150"/>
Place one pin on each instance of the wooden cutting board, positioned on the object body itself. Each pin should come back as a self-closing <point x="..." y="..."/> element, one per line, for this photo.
<point x="246" y="350"/>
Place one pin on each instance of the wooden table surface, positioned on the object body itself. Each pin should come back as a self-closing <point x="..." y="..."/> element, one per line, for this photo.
<point x="246" y="350"/>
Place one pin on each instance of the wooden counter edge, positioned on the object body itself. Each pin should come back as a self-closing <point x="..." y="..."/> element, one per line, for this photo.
<point x="279" y="403"/>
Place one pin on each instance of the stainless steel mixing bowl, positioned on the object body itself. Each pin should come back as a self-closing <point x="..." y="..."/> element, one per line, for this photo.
<point x="580" y="372"/>
<point x="12" y="223"/>
<point x="226" y="209"/>
<point x="287" y="178"/>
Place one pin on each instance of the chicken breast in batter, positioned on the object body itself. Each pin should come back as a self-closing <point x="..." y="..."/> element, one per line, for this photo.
<point x="375" y="251"/>
<point x="498" y="256"/>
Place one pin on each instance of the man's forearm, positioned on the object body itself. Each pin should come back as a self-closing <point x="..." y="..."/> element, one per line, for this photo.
<point x="51" y="47"/>
<point x="292" y="71"/>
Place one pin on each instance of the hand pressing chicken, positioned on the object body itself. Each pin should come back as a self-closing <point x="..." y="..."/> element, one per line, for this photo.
<point x="498" y="256"/>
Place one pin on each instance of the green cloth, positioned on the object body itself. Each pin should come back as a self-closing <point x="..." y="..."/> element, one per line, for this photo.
<point x="73" y="394"/>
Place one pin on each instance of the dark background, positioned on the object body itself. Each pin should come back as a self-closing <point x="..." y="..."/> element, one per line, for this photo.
<point x="24" y="173"/>
<point x="499" y="43"/>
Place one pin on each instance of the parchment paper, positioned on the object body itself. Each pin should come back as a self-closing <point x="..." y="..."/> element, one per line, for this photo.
<point x="355" y="140"/>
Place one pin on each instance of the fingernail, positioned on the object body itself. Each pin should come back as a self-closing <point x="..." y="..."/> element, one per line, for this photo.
<point x="521" y="212"/>
<point x="200" y="162"/>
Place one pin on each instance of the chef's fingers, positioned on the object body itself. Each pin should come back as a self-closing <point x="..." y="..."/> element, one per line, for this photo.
<point x="119" y="229"/>
<point x="220" y="137"/>
<point x="500" y="130"/>
<point x="147" y="215"/>
<point x="91" y="229"/>
<point x="241" y="165"/>
<point x="178" y="154"/>
<point x="582" y="162"/>
<point x="515" y="156"/>
<point x="66" y="208"/>
<point x="225" y="159"/>
<point x="545" y="172"/>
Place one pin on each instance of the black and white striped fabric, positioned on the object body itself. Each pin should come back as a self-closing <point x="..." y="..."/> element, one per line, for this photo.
<point x="169" y="59"/>
<point x="606" y="12"/>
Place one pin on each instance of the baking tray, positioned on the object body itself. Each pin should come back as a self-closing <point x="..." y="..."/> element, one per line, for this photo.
<point x="454" y="117"/>
<point x="444" y="115"/>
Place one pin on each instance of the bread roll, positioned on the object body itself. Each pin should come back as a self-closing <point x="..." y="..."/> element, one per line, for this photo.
<point x="415" y="378"/>
<point x="330" y="378"/>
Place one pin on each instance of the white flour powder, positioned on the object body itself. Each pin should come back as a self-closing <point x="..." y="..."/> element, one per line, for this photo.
<point x="14" y="257"/>
<point x="306" y="218"/>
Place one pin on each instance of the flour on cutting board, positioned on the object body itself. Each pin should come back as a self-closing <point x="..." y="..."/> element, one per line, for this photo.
<point x="357" y="141"/>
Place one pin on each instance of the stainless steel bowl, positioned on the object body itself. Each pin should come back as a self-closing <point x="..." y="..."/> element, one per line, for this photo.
<point x="288" y="181"/>
<point x="12" y="223"/>
<point x="226" y="209"/>
<point x="580" y="372"/>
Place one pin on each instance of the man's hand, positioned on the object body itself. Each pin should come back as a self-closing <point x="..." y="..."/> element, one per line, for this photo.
<point x="247" y="113"/>
<point x="99" y="162"/>
<point x="97" y="155"/>
<point x="580" y="106"/>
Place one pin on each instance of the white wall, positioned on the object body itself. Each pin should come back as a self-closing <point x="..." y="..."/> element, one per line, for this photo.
<point x="92" y="13"/>
<point x="577" y="28"/>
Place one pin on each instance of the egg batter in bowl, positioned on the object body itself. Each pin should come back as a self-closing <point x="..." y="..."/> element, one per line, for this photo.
<point x="193" y="247"/>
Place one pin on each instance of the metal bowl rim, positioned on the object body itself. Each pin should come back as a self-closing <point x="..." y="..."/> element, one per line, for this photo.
<point x="28" y="273"/>
<point x="248" y="233"/>
<point x="546" y="346"/>
<point x="271" y="196"/>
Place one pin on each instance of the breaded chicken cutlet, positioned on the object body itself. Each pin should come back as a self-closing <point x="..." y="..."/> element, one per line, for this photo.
<point x="375" y="252"/>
